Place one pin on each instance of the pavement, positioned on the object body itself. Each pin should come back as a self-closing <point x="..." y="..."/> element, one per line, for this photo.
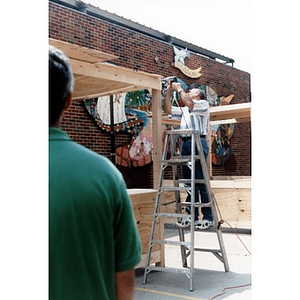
<point x="210" y="279"/>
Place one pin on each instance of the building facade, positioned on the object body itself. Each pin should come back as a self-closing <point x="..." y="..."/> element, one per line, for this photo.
<point x="141" y="48"/>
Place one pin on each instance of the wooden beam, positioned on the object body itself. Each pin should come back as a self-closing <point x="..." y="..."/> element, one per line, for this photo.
<point x="157" y="130"/>
<point x="220" y="122"/>
<point x="222" y="114"/>
<point x="117" y="74"/>
<point x="240" y="112"/>
<point x="105" y="93"/>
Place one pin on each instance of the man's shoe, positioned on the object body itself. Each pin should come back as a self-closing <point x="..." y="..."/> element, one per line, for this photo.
<point x="184" y="223"/>
<point x="204" y="224"/>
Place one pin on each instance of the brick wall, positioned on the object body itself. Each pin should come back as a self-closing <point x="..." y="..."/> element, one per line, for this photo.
<point x="137" y="51"/>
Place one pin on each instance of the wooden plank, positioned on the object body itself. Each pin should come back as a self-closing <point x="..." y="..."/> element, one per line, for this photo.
<point x="220" y="122"/>
<point x="227" y="200"/>
<point x="240" y="112"/>
<point x="157" y="130"/>
<point x="232" y="196"/>
<point x="116" y="74"/>
<point x="228" y="113"/>
<point x="231" y="184"/>
<point x="81" y="53"/>
<point x="143" y="203"/>
<point x="244" y="205"/>
<point x="90" y="87"/>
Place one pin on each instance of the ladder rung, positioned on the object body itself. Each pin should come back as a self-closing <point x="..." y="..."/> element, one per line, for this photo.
<point x="169" y="269"/>
<point x="208" y="250"/>
<point x="169" y="215"/>
<point x="182" y="131"/>
<point x="174" y="188"/>
<point x="180" y="160"/>
<point x="176" y="161"/>
<point x="197" y="204"/>
<point x="203" y="181"/>
<point x="175" y="243"/>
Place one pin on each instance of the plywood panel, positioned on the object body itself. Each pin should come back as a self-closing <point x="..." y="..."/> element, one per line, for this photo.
<point x="143" y="203"/>
<point x="232" y="196"/>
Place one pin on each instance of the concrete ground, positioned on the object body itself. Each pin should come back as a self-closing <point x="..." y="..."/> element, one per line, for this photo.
<point x="210" y="279"/>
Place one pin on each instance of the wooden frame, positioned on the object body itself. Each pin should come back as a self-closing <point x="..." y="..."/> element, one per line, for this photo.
<point x="94" y="77"/>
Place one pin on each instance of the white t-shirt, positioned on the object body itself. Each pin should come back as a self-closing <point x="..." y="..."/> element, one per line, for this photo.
<point x="198" y="118"/>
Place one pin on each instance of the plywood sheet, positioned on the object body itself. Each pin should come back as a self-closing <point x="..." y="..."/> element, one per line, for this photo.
<point x="143" y="203"/>
<point x="232" y="196"/>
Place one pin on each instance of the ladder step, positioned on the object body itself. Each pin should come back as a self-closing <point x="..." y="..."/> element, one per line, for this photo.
<point x="188" y="181"/>
<point x="181" y="132"/>
<point x="174" y="188"/>
<point x="208" y="250"/>
<point x="180" y="160"/>
<point x="175" y="243"/>
<point x="197" y="204"/>
<point x="169" y="269"/>
<point x="169" y="215"/>
<point x="187" y="244"/>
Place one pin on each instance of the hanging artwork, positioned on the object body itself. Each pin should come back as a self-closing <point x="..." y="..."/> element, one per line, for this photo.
<point x="99" y="109"/>
<point x="220" y="148"/>
<point x="130" y="115"/>
<point x="179" y="57"/>
<point x="140" y="150"/>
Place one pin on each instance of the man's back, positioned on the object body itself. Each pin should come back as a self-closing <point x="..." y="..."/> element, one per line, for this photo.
<point x="92" y="230"/>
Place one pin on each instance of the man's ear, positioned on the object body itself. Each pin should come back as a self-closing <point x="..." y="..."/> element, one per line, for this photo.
<point x="68" y="102"/>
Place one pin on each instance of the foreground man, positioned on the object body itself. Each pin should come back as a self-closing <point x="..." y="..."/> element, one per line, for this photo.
<point x="93" y="239"/>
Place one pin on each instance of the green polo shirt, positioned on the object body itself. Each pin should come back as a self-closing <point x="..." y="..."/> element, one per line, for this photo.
<point x="91" y="225"/>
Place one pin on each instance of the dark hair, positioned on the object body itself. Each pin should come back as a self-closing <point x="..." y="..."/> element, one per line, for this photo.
<point x="193" y="85"/>
<point x="60" y="83"/>
<point x="202" y="95"/>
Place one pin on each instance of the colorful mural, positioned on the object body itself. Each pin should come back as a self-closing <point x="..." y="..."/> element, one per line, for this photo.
<point x="131" y="115"/>
<point x="220" y="147"/>
<point x="127" y="118"/>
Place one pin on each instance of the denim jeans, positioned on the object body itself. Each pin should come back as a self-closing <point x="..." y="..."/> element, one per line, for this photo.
<point x="200" y="189"/>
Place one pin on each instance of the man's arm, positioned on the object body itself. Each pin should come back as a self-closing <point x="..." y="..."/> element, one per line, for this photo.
<point x="186" y="98"/>
<point x="124" y="282"/>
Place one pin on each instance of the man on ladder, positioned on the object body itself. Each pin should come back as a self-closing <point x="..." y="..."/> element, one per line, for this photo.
<point x="194" y="128"/>
<point x="194" y="115"/>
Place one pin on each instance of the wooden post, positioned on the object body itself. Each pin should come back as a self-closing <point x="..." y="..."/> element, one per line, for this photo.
<point x="209" y="158"/>
<point x="157" y="135"/>
<point x="157" y="130"/>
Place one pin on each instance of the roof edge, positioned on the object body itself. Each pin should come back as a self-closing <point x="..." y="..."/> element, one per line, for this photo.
<point x="99" y="13"/>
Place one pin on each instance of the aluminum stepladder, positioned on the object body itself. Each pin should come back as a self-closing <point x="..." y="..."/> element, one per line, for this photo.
<point x="187" y="247"/>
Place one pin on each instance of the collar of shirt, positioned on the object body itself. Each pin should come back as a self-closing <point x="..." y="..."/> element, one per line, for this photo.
<point x="56" y="134"/>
